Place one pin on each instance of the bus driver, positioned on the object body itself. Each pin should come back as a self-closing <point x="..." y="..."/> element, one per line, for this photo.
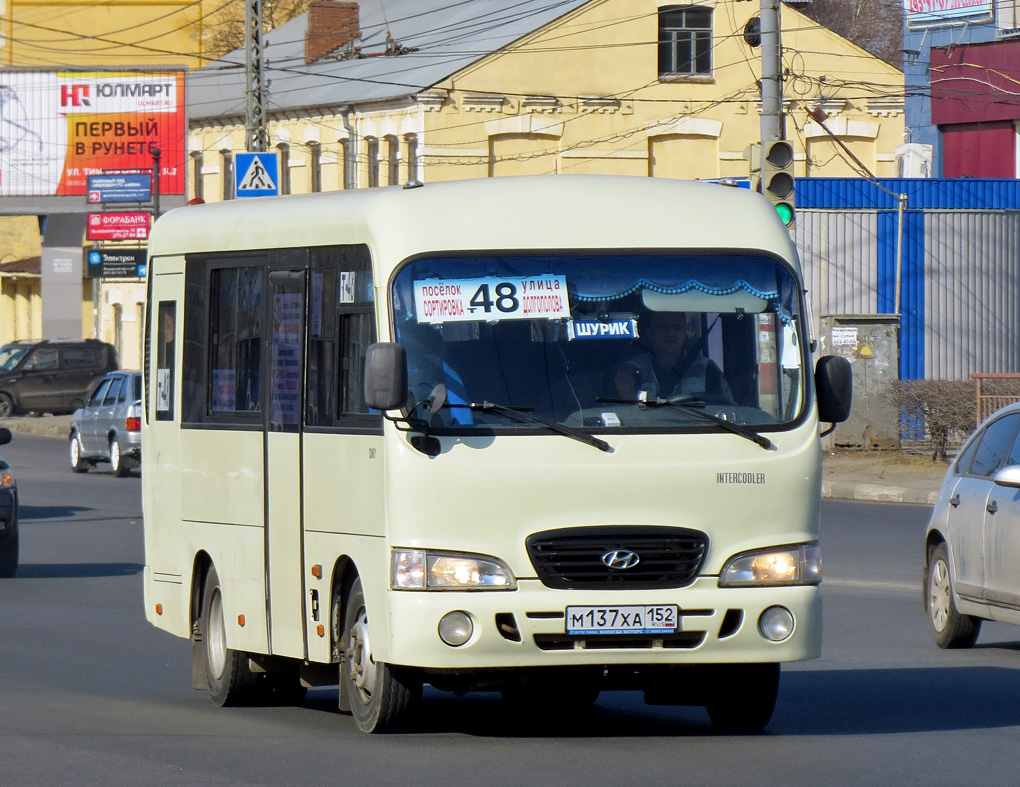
<point x="672" y="363"/>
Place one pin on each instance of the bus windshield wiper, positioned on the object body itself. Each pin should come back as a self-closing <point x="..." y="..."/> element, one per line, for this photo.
<point x="522" y="415"/>
<point x="695" y="407"/>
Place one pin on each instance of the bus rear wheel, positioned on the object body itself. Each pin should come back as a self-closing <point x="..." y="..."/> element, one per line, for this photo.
<point x="380" y="696"/>
<point x="227" y="674"/>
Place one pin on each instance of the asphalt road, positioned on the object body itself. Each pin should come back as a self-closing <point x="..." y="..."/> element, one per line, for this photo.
<point x="91" y="694"/>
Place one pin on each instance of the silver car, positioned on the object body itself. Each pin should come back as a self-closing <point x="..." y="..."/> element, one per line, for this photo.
<point x="108" y="427"/>
<point x="973" y="540"/>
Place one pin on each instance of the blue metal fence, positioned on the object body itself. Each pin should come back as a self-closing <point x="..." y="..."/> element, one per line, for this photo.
<point x="952" y="229"/>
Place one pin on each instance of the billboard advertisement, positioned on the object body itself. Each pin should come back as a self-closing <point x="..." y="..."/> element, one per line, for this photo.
<point x="59" y="127"/>
<point x="944" y="11"/>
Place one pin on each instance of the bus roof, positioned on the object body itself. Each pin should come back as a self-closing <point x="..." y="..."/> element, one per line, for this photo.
<point x="505" y="213"/>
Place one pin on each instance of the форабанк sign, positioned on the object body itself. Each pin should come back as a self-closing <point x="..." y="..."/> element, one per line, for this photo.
<point x="59" y="127"/>
<point x="118" y="226"/>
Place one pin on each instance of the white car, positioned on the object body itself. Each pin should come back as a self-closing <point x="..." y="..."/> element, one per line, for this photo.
<point x="108" y="427"/>
<point x="972" y="544"/>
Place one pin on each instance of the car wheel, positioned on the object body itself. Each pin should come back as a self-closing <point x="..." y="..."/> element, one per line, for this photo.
<point x="949" y="628"/>
<point x="120" y="469"/>
<point x="381" y="697"/>
<point x="6" y="406"/>
<point x="227" y="674"/>
<point x="78" y="464"/>
<point x="744" y="697"/>
<point x="9" y="559"/>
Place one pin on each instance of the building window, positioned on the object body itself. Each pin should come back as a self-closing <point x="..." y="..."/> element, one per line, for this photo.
<point x="315" y="156"/>
<point x="412" y="157"/>
<point x="347" y="166"/>
<point x="228" y="173"/>
<point x="284" y="149"/>
<point x="196" y="174"/>
<point x="372" y="145"/>
<point x="685" y="41"/>
<point x="393" y="161"/>
<point x="118" y="329"/>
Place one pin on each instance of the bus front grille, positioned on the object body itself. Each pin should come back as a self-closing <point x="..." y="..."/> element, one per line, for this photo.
<point x="622" y="557"/>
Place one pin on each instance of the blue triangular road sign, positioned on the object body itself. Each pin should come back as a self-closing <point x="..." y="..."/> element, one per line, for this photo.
<point x="257" y="175"/>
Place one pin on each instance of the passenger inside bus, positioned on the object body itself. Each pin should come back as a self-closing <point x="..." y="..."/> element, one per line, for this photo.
<point x="671" y="362"/>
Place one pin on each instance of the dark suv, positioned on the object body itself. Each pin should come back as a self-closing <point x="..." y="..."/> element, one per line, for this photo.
<point x="48" y="376"/>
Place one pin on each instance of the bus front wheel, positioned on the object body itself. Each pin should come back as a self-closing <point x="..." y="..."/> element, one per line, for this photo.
<point x="227" y="674"/>
<point x="380" y="697"/>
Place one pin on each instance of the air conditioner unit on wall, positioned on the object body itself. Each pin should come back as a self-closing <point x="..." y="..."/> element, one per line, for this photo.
<point x="913" y="160"/>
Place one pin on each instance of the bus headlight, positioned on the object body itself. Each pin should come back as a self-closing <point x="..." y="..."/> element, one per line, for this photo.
<point x="420" y="569"/>
<point x="798" y="564"/>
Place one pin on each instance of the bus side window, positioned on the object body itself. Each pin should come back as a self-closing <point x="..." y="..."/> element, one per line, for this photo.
<point x="357" y="332"/>
<point x="357" y="329"/>
<point x="321" y="374"/>
<point x="166" y="339"/>
<point x="235" y="339"/>
<point x="341" y="325"/>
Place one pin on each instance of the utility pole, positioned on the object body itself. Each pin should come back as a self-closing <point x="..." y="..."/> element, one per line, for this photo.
<point x="772" y="126"/>
<point x="256" y="134"/>
<point x="777" y="179"/>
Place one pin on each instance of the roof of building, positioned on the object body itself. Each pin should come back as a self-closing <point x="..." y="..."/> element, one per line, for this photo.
<point x="438" y="38"/>
<point x="25" y="265"/>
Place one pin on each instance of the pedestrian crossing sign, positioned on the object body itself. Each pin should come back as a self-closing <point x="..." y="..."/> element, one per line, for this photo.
<point x="256" y="175"/>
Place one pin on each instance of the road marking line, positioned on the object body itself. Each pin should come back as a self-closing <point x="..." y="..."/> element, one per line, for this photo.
<point x="872" y="584"/>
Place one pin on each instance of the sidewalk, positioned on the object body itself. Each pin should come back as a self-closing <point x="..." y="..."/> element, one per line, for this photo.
<point x="882" y="476"/>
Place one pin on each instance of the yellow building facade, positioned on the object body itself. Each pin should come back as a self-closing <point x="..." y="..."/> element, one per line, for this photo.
<point x="594" y="91"/>
<point x="50" y="33"/>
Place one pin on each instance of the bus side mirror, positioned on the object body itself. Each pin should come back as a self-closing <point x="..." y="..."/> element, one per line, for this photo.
<point x="385" y="376"/>
<point x="834" y="387"/>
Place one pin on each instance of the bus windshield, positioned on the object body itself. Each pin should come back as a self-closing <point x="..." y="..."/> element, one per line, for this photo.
<point x="630" y="341"/>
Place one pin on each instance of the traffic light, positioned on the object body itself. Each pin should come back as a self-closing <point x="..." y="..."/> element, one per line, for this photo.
<point x="777" y="177"/>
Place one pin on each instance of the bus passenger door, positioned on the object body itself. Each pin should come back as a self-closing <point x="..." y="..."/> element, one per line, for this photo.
<point x="284" y="573"/>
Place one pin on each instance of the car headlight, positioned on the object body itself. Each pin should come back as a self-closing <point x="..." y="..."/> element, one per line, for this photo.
<point x="420" y="569"/>
<point x="797" y="564"/>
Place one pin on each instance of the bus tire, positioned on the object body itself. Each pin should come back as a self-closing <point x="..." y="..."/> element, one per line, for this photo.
<point x="381" y="697"/>
<point x="949" y="628"/>
<point x="227" y="674"/>
<point x="337" y="634"/>
<point x="744" y="697"/>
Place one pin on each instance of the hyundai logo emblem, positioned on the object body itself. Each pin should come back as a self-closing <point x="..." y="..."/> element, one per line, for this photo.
<point x="621" y="559"/>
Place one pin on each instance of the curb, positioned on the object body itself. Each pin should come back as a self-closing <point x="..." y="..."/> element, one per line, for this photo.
<point x="845" y="490"/>
<point x="44" y="426"/>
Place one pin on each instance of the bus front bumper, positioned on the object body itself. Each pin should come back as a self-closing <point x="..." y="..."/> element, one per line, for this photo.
<point x="526" y="627"/>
